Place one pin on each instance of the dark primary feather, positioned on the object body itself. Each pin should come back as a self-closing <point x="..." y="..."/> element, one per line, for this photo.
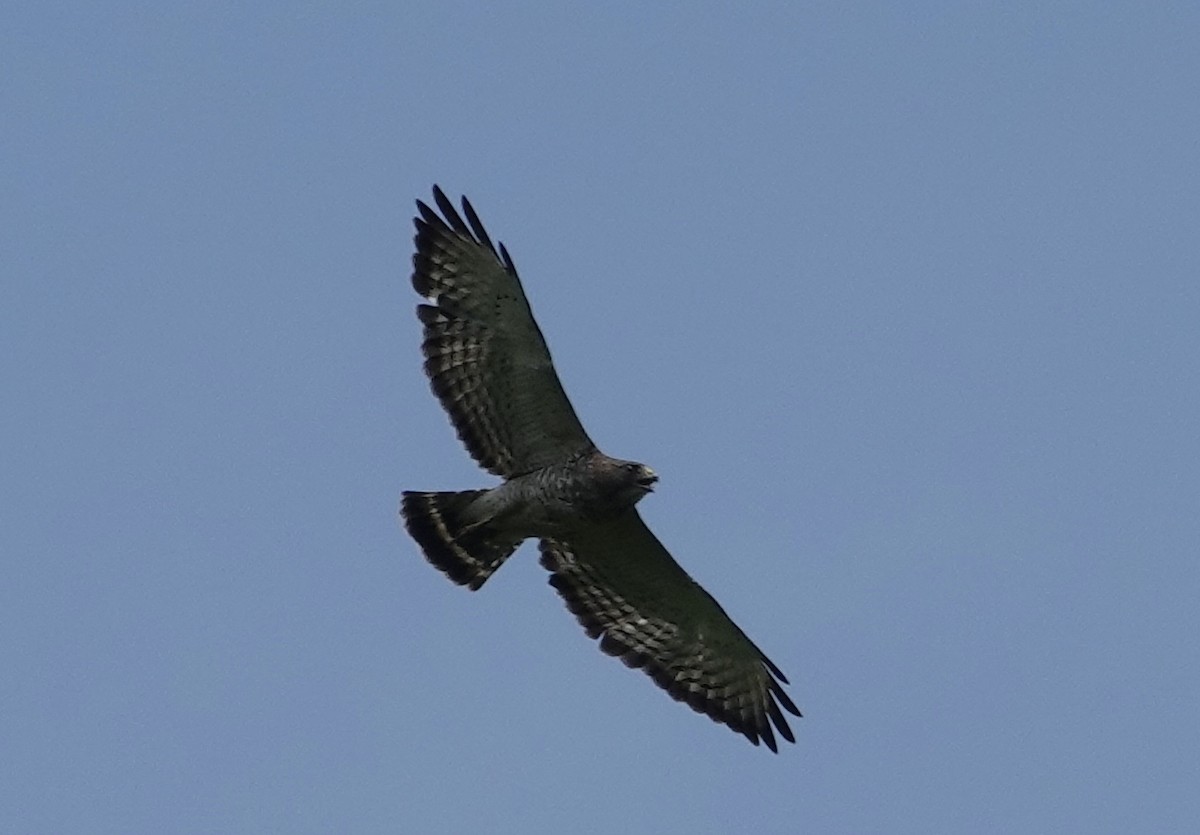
<point x="625" y="588"/>
<point x="485" y="356"/>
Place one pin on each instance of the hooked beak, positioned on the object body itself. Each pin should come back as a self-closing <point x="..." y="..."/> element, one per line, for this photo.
<point x="647" y="479"/>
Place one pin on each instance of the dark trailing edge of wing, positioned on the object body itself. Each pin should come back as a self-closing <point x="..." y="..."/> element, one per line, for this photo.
<point x="758" y="727"/>
<point x="755" y="726"/>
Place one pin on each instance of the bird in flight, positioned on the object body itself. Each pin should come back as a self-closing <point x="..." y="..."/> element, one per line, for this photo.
<point x="489" y="366"/>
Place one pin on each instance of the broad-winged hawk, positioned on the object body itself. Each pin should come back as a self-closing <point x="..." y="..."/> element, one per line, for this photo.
<point x="489" y="366"/>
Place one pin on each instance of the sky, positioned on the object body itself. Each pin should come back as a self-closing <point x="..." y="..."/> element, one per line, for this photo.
<point x="901" y="301"/>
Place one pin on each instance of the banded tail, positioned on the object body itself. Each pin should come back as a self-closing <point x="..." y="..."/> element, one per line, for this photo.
<point x="466" y="551"/>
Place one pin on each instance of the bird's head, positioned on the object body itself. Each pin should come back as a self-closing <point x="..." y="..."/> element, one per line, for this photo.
<point x="638" y="479"/>
<point x="620" y="484"/>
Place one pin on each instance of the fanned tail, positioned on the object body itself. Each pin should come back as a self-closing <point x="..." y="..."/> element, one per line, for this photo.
<point x="466" y="551"/>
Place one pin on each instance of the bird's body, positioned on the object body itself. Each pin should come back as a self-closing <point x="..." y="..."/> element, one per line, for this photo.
<point x="489" y="365"/>
<point x="553" y="501"/>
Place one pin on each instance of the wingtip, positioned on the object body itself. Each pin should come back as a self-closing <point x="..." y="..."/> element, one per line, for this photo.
<point x="508" y="261"/>
<point x="783" y="698"/>
<point x="423" y="208"/>
<point x="477" y="225"/>
<point x="768" y="736"/>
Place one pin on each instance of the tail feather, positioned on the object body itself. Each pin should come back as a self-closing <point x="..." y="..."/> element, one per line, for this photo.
<point x="466" y="551"/>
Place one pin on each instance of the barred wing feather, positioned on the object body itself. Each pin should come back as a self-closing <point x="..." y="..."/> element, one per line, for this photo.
<point x="485" y="356"/>
<point x="627" y="590"/>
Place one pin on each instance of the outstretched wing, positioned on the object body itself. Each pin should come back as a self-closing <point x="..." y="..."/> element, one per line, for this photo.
<point x="624" y="587"/>
<point x="485" y="355"/>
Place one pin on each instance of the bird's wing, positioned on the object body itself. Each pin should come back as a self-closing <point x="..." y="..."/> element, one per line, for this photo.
<point x="623" y="586"/>
<point x="485" y="355"/>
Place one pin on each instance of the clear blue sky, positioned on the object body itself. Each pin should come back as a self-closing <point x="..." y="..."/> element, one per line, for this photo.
<point x="902" y="301"/>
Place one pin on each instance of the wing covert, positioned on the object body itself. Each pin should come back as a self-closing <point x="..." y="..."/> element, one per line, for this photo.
<point x="627" y="590"/>
<point x="485" y="356"/>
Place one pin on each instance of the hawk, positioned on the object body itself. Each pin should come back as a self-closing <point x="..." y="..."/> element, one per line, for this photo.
<point x="489" y="366"/>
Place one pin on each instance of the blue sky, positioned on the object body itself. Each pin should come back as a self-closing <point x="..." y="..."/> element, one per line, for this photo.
<point x="900" y="300"/>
